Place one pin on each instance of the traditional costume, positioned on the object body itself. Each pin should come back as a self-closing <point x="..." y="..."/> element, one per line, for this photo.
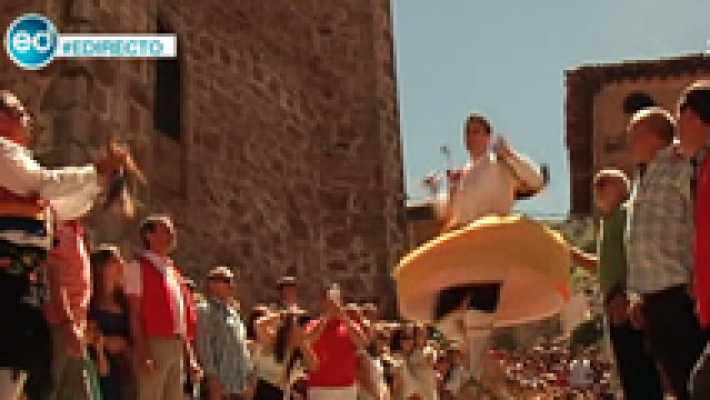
<point x="26" y="235"/>
<point x="492" y="269"/>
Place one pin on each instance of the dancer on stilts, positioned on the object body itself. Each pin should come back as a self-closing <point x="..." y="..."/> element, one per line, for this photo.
<point x="488" y="268"/>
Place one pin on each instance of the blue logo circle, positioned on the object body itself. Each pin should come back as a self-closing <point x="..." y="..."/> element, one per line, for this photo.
<point x="31" y="41"/>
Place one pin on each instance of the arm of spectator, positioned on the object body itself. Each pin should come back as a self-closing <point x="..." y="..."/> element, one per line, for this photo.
<point x="310" y="358"/>
<point x="397" y="386"/>
<point x="194" y="369"/>
<point x="635" y="310"/>
<point x="116" y="344"/>
<point x="102" y="365"/>
<point x="96" y="341"/>
<point x="132" y="285"/>
<point x="365" y="377"/>
<point x="590" y="262"/>
<point x="142" y="354"/>
<point x="59" y="300"/>
<point x="265" y="328"/>
<point x="204" y="343"/>
<point x="315" y="330"/>
<point x="214" y="388"/>
<point x="365" y="325"/>
<point x="357" y="334"/>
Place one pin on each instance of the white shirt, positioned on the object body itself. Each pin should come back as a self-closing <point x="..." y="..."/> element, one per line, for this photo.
<point x="133" y="285"/>
<point x="71" y="190"/>
<point x="488" y="186"/>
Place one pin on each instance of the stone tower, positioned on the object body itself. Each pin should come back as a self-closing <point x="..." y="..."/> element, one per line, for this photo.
<point x="599" y="103"/>
<point x="272" y="139"/>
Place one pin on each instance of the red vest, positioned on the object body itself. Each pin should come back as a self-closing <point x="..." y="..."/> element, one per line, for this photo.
<point x="157" y="305"/>
<point x="702" y="242"/>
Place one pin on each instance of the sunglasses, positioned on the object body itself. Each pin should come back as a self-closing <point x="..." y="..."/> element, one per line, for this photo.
<point x="16" y="114"/>
<point x="222" y="279"/>
<point x="14" y="111"/>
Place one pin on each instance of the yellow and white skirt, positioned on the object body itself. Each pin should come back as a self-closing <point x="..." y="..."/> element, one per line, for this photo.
<point x="532" y="262"/>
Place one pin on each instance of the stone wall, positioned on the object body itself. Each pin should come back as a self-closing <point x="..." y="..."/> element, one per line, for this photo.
<point x="289" y="158"/>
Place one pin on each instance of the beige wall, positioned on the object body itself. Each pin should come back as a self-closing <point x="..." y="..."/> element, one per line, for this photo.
<point x="610" y="121"/>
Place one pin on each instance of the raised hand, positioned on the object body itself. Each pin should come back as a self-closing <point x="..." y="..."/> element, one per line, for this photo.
<point x="117" y="157"/>
<point x="432" y="182"/>
<point x="122" y="154"/>
<point x="454" y="176"/>
<point x="502" y="147"/>
<point x="618" y="310"/>
<point x="298" y="335"/>
<point x="636" y="314"/>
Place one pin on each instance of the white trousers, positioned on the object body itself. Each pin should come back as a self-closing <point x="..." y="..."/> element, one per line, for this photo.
<point x="11" y="384"/>
<point x="322" y="393"/>
<point x="473" y="329"/>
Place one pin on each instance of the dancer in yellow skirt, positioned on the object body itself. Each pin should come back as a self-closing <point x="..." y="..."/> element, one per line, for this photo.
<point x="488" y="268"/>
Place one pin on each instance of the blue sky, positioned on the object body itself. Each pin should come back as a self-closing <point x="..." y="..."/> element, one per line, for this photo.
<point x="506" y="59"/>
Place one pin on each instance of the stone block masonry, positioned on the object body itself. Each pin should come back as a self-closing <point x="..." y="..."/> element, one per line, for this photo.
<point x="288" y="158"/>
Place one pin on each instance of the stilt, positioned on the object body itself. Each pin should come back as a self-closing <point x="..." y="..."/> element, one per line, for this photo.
<point x="477" y="335"/>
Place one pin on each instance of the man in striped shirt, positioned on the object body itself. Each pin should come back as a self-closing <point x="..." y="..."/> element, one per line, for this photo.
<point x="221" y="342"/>
<point x="659" y="248"/>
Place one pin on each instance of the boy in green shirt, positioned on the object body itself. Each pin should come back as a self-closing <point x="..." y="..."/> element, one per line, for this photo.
<point x="637" y="371"/>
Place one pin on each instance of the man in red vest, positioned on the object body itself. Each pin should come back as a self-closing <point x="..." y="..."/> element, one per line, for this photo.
<point x="26" y="235"/>
<point x="162" y="315"/>
<point x="694" y="134"/>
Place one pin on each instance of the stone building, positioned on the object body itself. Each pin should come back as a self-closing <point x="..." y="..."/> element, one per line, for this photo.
<point x="600" y="100"/>
<point x="272" y="139"/>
